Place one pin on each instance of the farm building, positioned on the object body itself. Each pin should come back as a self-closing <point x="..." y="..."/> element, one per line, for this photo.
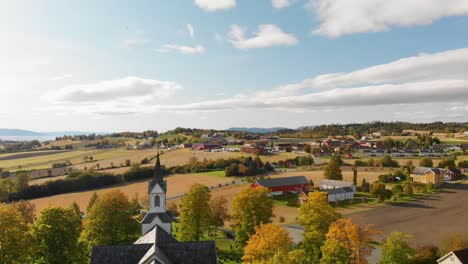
<point x="339" y="194"/>
<point x="326" y="184"/>
<point x="427" y="175"/>
<point x="451" y="174"/>
<point x="279" y="186"/>
<point x="455" y="257"/>
<point x="203" y="146"/>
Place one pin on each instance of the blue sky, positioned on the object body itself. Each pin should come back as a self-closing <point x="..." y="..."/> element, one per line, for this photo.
<point x="135" y="65"/>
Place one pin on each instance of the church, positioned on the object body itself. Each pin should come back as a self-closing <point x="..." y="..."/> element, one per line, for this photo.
<point x="156" y="245"/>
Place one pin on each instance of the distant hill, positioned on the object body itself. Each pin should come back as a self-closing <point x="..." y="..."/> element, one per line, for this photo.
<point x="10" y="132"/>
<point x="19" y="132"/>
<point x="257" y="129"/>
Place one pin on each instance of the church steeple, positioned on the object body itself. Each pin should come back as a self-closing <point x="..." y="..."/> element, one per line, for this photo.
<point x="158" y="174"/>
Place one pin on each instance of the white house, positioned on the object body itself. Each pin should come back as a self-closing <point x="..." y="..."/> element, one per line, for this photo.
<point x="339" y="194"/>
<point x="455" y="257"/>
<point x="333" y="184"/>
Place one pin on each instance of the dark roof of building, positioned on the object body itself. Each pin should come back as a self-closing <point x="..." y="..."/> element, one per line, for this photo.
<point x="348" y="189"/>
<point x="128" y="254"/>
<point x="149" y="217"/>
<point x="335" y="191"/>
<point x="462" y="255"/>
<point x="191" y="252"/>
<point x="286" y="181"/>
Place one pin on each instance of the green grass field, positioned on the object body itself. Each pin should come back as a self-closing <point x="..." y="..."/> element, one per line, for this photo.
<point x="214" y="173"/>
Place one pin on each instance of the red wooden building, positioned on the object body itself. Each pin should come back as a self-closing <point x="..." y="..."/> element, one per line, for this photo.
<point x="203" y="146"/>
<point x="279" y="186"/>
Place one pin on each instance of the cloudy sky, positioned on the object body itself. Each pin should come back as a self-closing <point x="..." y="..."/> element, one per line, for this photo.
<point x="154" y="64"/>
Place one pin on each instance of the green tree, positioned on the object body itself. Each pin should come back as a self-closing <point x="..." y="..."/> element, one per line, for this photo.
<point x="397" y="249"/>
<point x="15" y="238"/>
<point x="333" y="171"/>
<point x="379" y="191"/>
<point x="76" y="208"/>
<point x="365" y="186"/>
<point x="250" y="208"/>
<point x="111" y="221"/>
<point x="57" y="232"/>
<point x="397" y="190"/>
<point x="219" y="211"/>
<point x="316" y="216"/>
<point x="22" y="181"/>
<point x="195" y="215"/>
<point x="355" y="175"/>
<point x="91" y="202"/>
<point x="7" y="187"/>
<point x="447" y="163"/>
<point x="426" y="162"/>
<point x="336" y="157"/>
<point x="408" y="189"/>
<point x="26" y="209"/>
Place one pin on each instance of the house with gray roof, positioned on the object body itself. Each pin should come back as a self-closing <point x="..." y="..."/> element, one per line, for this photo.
<point x="333" y="184"/>
<point x="156" y="245"/>
<point x="455" y="257"/>
<point x="427" y="175"/>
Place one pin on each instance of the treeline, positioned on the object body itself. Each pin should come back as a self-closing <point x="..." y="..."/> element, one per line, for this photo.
<point x="358" y="130"/>
<point x="386" y="161"/>
<point x="81" y="181"/>
<point x="20" y="146"/>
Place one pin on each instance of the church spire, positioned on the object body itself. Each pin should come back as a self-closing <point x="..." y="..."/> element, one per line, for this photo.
<point x="158" y="174"/>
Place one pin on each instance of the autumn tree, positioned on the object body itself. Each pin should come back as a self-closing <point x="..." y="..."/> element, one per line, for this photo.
<point x="91" y="202"/>
<point x="397" y="249"/>
<point x="219" y="211"/>
<point x="426" y="254"/>
<point x="76" y="208"/>
<point x="250" y="208"/>
<point x="27" y="210"/>
<point x="15" y="238"/>
<point x="453" y="242"/>
<point x="347" y="243"/>
<point x="22" y="181"/>
<point x="195" y="215"/>
<point x="57" y="232"/>
<point x="316" y="215"/>
<point x="296" y="256"/>
<point x="268" y="240"/>
<point x="426" y="162"/>
<point x="111" y="221"/>
<point x="333" y="171"/>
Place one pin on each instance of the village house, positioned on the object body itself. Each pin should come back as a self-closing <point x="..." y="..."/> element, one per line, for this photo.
<point x="427" y="175"/>
<point x="431" y="153"/>
<point x="326" y="184"/>
<point x="373" y="153"/>
<point x="339" y="194"/>
<point x="402" y="153"/>
<point x="157" y="245"/>
<point x="286" y="185"/>
<point x="455" y="257"/>
<point x="283" y="147"/>
<point x="451" y="174"/>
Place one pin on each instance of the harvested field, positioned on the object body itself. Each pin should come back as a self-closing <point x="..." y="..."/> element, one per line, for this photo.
<point x="177" y="184"/>
<point x="30" y="154"/>
<point x="429" y="219"/>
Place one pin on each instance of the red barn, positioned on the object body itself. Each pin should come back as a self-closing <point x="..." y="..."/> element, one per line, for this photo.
<point x="279" y="186"/>
<point x="203" y="146"/>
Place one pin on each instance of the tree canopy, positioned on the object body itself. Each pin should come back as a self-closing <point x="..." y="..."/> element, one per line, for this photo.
<point x="268" y="240"/>
<point x="195" y="216"/>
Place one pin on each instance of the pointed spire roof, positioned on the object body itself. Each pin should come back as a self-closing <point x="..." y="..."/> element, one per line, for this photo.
<point x="158" y="173"/>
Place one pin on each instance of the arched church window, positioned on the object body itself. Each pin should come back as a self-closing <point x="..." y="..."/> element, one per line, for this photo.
<point x="157" y="200"/>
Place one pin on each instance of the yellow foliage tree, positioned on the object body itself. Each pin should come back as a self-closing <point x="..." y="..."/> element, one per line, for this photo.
<point x="316" y="216"/>
<point x="347" y="243"/>
<point x="268" y="240"/>
<point x="250" y="208"/>
<point x="15" y="238"/>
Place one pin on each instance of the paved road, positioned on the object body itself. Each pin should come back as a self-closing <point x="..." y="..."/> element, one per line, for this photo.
<point x="430" y="220"/>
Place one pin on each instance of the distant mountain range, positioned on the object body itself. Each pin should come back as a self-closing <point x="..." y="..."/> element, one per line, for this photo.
<point x="8" y="132"/>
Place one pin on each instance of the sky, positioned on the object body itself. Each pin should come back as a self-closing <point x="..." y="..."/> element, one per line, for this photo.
<point x="114" y="65"/>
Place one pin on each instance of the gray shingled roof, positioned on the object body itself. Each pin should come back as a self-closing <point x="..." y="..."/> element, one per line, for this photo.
<point x="348" y="189"/>
<point x="128" y="254"/>
<point x="335" y="191"/>
<point x="336" y="183"/>
<point x="149" y="217"/>
<point x="286" y="181"/>
<point x="191" y="252"/>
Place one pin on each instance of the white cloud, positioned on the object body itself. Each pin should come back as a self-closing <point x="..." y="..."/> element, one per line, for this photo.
<point x="438" y="78"/>
<point x="128" y="94"/>
<point x="191" y="31"/>
<point x="342" y="17"/>
<point x="133" y="42"/>
<point x="215" y="5"/>
<point x="268" y="35"/>
<point x="281" y="3"/>
<point x="61" y="77"/>
<point x="182" y="49"/>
